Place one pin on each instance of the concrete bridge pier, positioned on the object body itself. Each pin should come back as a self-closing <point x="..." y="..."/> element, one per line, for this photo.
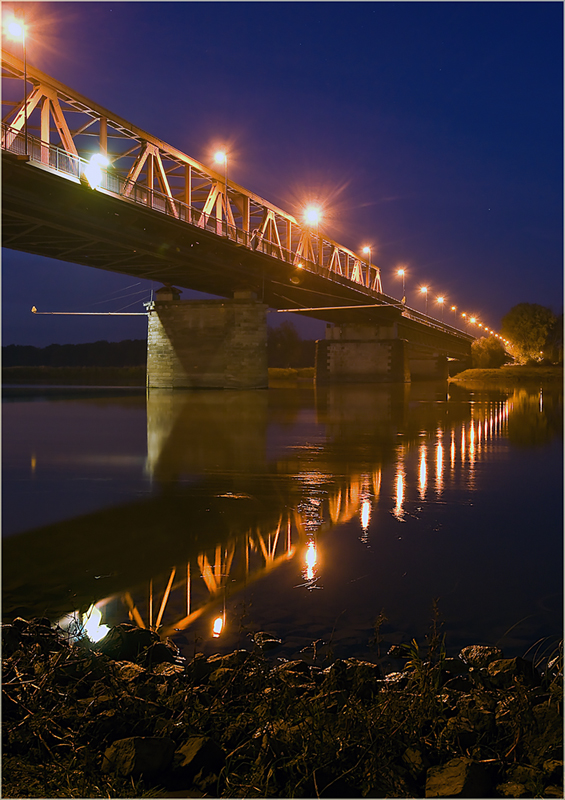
<point x="362" y="354"/>
<point x="206" y="344"/>
<point x="374" y="354"/>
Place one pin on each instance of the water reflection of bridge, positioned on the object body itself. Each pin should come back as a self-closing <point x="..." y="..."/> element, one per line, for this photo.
<point x="233" y="504"/>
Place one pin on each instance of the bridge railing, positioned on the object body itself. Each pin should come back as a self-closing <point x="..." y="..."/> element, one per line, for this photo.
<point x="54" y="158"/>
<point x="310" y="251"/>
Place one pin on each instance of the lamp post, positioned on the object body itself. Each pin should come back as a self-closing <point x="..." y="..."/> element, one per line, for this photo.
<point x="454" y="309"/>
<point x="402" y="273"/>
<point x="424" y="291"/>
<point x="17" y="30"/>
<point x="464" y="315"/>
<point x="312" y="216"/>
<point x="441" y="300"/>
<point x="221" y="157"/>
<point x="368" y="250"/>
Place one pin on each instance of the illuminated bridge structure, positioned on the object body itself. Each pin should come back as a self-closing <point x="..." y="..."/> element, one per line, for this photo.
<point x="156" y="213"/>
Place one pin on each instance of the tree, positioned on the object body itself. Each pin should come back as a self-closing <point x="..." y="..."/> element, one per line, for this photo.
<point x="284" y="346"/>
<point x="527" y="326"/>
<point x="488" y="352"/>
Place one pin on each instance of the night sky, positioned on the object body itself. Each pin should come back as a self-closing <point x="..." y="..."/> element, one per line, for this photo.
<point x="430" y="131"/>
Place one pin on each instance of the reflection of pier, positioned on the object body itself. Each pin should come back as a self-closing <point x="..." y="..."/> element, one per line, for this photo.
<point x="232" y="503"/>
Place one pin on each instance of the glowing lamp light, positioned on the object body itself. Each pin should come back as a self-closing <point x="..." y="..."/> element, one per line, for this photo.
<point x="440" y="300"/>
<point x="93" y="170"/>
<point x="400" y="273"/>
<point x="310" y="558"/>
<point x="473" y="320"/>
<point x="91" y="624"/>
<point x="424" y="289"/>
<point x="365" y="514"/>
<point x="312" y="215"/>
<point x="217" y="627"/>
<point x="220" y="157"/>
<point x="15" y="29"/>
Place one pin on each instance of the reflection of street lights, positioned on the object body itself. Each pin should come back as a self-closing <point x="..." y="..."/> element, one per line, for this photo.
<point x="17" y="30"/>
<point x="221" y="157"/>
<point x="424" y="290"/>
<point x="402" y="273"/>
<point x="441" y="300"/>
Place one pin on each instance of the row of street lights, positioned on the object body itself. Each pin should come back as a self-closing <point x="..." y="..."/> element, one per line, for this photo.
<point x="16" y="28"/>
<point x="312" y="216"/>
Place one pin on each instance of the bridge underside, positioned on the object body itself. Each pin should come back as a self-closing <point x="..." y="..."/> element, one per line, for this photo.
<point x="57" y="218"/>
<point x="63" y="219"/>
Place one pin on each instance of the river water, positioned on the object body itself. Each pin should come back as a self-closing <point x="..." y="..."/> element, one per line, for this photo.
<point x="304" y="512"/>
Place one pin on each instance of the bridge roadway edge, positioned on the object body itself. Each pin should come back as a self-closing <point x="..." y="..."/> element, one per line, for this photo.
<point x="63" y="219"/>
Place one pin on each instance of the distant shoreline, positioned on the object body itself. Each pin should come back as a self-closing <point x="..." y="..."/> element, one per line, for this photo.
<point x="506" y="377"/>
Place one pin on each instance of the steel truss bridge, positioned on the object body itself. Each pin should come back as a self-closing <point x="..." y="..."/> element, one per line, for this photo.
<point x="158" y="214"/>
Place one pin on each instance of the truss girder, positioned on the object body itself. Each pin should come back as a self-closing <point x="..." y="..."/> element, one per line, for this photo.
<point x="176" y="183"/>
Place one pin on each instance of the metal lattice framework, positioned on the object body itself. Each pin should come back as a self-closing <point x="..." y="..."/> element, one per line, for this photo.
<point x="64" y="130"/>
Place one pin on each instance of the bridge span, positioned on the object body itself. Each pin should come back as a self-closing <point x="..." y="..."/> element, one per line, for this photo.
<point x="154" y="212"/>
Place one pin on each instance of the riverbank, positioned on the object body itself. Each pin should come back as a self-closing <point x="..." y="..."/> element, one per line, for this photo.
<point x="117" y="376"/>
<point x="129" y="717"/>
<point x="509" y="376"/>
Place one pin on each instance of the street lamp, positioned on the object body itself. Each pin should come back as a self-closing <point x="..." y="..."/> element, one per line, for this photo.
<point x="440" y="300"/>
<point x="221" y="157"/>
<point x="424" y="290"/>
<point x="402" y="274"/>
<point x="368" y="250"/>
<point x="454" y="309"/>
<point x="312" y="216"/>
<point x="17" y="30"/>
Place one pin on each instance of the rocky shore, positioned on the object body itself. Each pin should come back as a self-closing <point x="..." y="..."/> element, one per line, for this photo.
<point x="130" y="717"/>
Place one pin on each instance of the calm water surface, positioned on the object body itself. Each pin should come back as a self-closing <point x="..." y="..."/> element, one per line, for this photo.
<point x="298" y="511"/>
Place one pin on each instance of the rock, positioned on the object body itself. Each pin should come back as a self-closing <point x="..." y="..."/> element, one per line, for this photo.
<point x="231" y="660"/>
<point x="553" y="770"/>
<point x="11" y="639"/>
<point x="460" y="777"/>
<point x="197" y="760"/>
<point x="504" y="672"/>
<point x="297" y="667"/>
<point x="415" y="761"/>
<point x="221" y="677"/>
<point x="169" y="670"/>
<point x="198" y="669"/>
<point x="397" y="651"/>
<point x="266" y="641"/>
<point x="158" y="653"/>
<point x="479" y="655"/>
<point x="139" y="755"/>
<point x="553" y="791"/>
<point x="359" y="677"/>
<point x="125" y="642"/>
<point x="454" y="666"/>
<point x="128" y="671"/>
<point x="511" y="789"/>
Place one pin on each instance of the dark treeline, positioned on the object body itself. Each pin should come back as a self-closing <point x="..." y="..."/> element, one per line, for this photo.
<point x="129" y="353"/>
<point x="284" y="346"/>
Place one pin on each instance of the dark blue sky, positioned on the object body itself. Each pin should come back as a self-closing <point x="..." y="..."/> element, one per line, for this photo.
<point x="432" y="131"/>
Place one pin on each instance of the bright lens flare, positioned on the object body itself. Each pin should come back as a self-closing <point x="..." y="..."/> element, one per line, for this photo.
<point x="91" y="624"/>
<point x="93" y="170"/>
<point x="218" y="626"/>
<point x="312" y="215"/>
<point x="15" y="29"/>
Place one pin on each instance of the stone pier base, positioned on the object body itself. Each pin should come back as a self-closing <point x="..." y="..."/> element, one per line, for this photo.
<point x="206" y="344"/>
<point x="374" y="354"/>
